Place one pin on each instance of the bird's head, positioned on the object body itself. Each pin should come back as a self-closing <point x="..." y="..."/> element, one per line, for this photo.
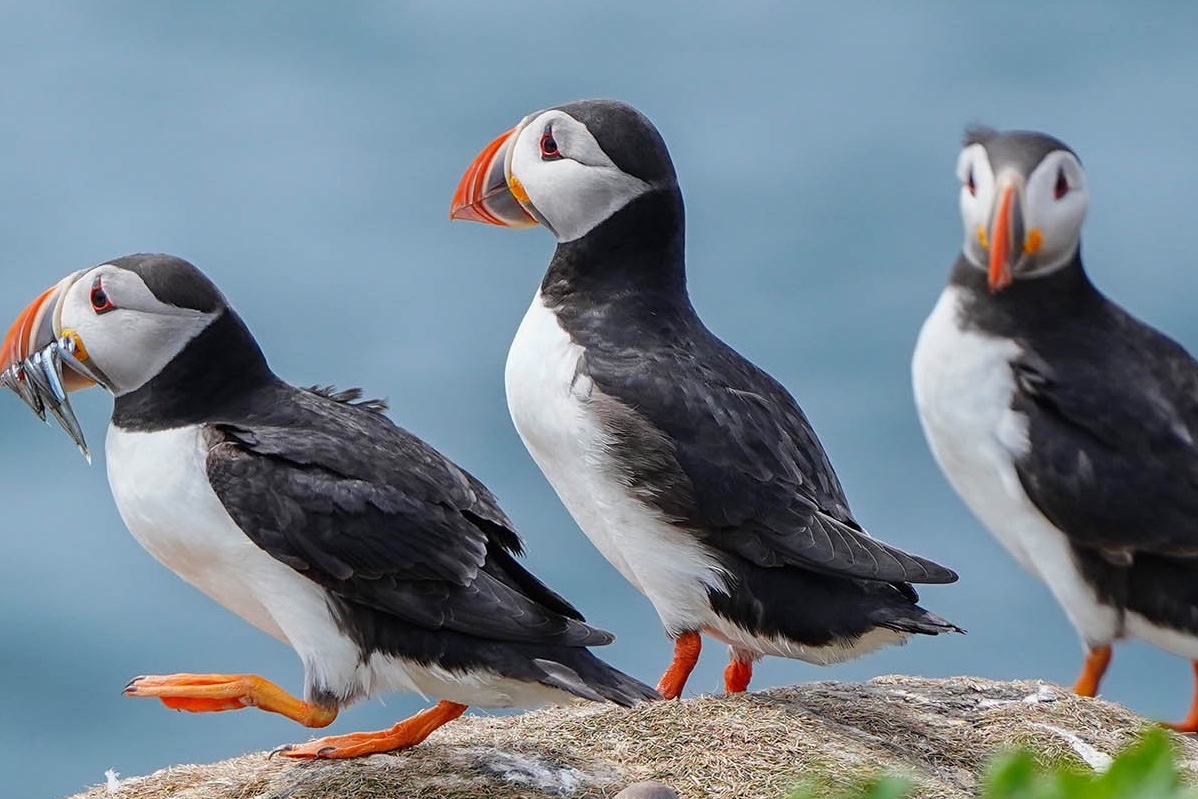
<point x="568" y="168"/>
<point x="115" y="325"/>
<point x="1023" y="200"/>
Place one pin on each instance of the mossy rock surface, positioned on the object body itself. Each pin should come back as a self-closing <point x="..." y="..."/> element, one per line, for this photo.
<point x="827" y="735"/>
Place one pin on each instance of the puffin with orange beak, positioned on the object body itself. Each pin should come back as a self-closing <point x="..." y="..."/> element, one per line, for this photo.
<point x="1067" y="426"/>
<point x="309" y="514"/>
<point x="693" y="472"/>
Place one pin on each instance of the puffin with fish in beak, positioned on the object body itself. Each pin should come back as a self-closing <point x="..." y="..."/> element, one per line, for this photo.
<point x="311" y="515"/>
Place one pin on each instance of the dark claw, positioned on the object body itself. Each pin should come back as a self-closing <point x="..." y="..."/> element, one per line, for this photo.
<point x="129" y="684"/>
<point x="324" y="750"/>
<point x="280" y="749"/>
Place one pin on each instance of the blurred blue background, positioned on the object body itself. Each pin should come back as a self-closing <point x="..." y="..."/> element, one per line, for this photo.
<point x="303" y="154"/>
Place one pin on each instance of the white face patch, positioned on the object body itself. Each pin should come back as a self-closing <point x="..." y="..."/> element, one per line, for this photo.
<point x="1054" y="201"/>
<point x="977" y="203"/>
<point x="135" y="340"/>
<point x="578" y="189"/>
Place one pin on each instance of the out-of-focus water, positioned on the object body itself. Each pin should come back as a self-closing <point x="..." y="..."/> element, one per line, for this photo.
<point x="304" y="153"/>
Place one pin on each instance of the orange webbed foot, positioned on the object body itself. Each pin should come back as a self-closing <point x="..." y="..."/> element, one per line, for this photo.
<point x="210" y="693"/>
<point x="405" y="734"/>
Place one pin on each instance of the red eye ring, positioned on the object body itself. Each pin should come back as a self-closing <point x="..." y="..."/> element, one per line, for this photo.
<point x="549" y="150"/>
<point x="99" y="298"/>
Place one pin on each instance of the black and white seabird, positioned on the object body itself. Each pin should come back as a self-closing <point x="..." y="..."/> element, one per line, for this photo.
<point x="312" y="516"/>
<point x="694" y="472"/>
<point x="1065" y="424"/>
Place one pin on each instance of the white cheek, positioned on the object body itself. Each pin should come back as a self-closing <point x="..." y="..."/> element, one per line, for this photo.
<point x="572" y="197"/>
<point x="1063" y="228"/>
<point x="974" y="211"/>
<point x="1059" y="223"/>
<point x="1058" y="220"/>
<point x="130" y="347"/>
<point x="576" y="198"/>
<point x="975" y="206"/>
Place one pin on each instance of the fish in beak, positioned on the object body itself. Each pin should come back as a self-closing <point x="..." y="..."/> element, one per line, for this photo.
<point x="488" y="192"/>
<point x="42" y="363"/>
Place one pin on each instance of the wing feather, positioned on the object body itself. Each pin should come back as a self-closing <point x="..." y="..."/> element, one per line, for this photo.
<point x="377" y="517"/>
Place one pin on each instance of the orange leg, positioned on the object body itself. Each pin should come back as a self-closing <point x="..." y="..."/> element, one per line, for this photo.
<point x="686" y="655"/>
<point x="1097" y="659"/>
<point x="1190" y="724"/>
<point x="737" y="675"/>
<point x="404" y="734"/>
<point x="207" y="693"/>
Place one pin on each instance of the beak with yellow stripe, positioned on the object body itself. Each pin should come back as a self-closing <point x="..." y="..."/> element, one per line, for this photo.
<point x="488" y="192"/>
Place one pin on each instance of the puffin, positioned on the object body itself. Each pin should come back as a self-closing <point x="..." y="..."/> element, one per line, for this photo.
<point x="307" y="512"/>
<point x="694" y="472"/>
<point x="1065" y="424"/>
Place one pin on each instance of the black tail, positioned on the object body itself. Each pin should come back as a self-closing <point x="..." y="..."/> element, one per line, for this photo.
<point x="579" y="672"/>
<point x="913" y="619"/>
<point x="817" y="609"/>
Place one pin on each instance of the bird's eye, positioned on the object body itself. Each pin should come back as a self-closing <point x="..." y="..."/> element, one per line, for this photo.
<point x="970" y="185"/>
<point x="1062" y="186"/>
<point x="99" y="298"/>
<point x="549" y="151"/>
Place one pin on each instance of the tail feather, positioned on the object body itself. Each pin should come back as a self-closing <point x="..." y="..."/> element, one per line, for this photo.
<point x="815" y="609"/>
<point x="586" y="676"/>
<point x="913" y="619"/>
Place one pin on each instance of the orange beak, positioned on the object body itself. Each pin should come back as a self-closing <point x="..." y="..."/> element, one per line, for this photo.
<point x="1001" y="235"/>
<point x="42" y="364"/>
<point x="485" y="192"/>
<point x="21" y="340"/>
<point x="35" y="328"/>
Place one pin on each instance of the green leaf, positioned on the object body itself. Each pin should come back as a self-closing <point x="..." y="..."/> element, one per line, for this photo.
<point x="1145" y="770"/>
<point x="881" y="788"/>
<point x="890" y="788"/>
<point x="1011" y="776"/>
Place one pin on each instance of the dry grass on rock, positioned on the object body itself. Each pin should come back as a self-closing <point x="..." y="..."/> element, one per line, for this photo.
<point x="826" y="734"/>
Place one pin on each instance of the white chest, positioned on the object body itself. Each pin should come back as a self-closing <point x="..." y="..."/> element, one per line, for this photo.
<point x="161" y="489"/>
<point x="963" y="387"/>
<point x="549" y="401"/>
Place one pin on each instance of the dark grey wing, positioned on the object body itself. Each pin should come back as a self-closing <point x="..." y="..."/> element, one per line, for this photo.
<point x="1112" y="459"/>
<point x="378" y="517"/>
<point x="720" y="446"/>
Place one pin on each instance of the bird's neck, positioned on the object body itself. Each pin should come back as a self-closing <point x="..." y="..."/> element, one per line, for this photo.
<point x="1029" y="301"/>
<point x="216" y="371"/>
<point x="633" y="258"/>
